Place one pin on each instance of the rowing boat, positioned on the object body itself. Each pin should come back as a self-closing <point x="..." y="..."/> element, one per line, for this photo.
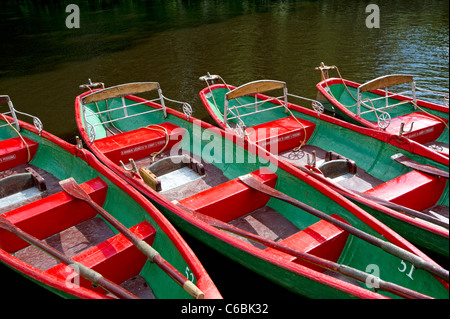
<point x="276" y="221"/>
<point x="404" y="114"/>
<point x="70" y="225"/>
<point x="388" y="175"/>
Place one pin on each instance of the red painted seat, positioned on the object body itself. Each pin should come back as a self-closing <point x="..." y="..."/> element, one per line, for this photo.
<point x="14" y="152"/>
<point x="282" y="134"/>
<point x="232" y="199"/>
<point x="116" y="258"/>
<point x="425" y="128"/>
<point x="415" y="190"/>
<point x="321" y="239"/>
<point x="51" y="215"/>
<point x="139" y="143"/>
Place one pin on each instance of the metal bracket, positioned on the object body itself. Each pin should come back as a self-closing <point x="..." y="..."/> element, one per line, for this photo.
<point x="133" y="166"/>
<point x="79" y="142"/>
<point x="402" y="130"/>
<point x="208" y="78"/>
<point x="90" y="85"/>
<point x="311" y="160"/>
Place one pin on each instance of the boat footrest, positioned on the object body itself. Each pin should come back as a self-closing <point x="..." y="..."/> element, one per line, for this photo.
<point x="425" y="128"/>
<point x="232" y="199"/>
<point x="50" y="215"/>
<point x="321" y="239"/>
<point x="415" y="190"/>
<point x="282" y="134"/>
<point x="14" y="152"/>
<point x="139" y="143"/>
<point x="116" y="258"/>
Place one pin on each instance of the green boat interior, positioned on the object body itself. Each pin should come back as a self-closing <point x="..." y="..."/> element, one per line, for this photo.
<point x="392" y="111"/>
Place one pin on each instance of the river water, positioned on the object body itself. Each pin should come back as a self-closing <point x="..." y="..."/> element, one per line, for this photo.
<point x="174" y="42"/>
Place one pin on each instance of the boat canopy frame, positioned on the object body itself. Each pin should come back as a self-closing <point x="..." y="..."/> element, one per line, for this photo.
<point x="121" y="91"/>
<point x="258" y="87"/>
<point x="5" y="99"/>
<point x="384" y="82"/>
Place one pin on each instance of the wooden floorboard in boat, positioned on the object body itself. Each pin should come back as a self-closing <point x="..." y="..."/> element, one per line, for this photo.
<point x="267" y="223"/>
<point x="70" y="242"/>
<point x="139" y="287"/>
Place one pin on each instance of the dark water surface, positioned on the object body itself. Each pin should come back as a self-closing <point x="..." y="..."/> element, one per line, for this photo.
<point x="173" y="42"/>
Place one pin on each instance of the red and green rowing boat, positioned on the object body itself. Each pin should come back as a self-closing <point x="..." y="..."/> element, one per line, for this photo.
<point x="72" y="226"/>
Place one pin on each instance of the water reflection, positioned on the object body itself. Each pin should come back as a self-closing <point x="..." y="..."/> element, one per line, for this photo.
<point x="174" y="42"/>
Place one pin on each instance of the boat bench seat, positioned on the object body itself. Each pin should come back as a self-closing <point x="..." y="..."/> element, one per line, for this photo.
<point x="415" y="190"/>
<point x="51" y="215"/>
<point x="282" y="134"/>
<point x="14" y="152"/>
<point x="231" y="199"/>
<point x="321" y="239"/>
<point x="139" y="143"/>
<point x="425" y="128"/>
<point x="116" y="258"/>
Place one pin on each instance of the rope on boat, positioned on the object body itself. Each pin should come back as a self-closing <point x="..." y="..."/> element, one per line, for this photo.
<point x="166" y="134"/>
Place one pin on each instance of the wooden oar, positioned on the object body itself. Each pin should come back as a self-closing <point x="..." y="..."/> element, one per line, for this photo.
<point x="84" y="271"/>
<point x="417" y="261"/>
<point x="318" y="261"/>
<point x="402" y="159"/>
<point x="72" y="188"/>
<point x="351" y="194"/>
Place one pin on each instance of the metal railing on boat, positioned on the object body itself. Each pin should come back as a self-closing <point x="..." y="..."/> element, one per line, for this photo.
<point x="5" y="99"/>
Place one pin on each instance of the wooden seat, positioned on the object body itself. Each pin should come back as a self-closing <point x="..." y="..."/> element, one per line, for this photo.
<point x="51" y="215"/>
<point x="321" y="239"/>
<point x="14" y="152"/>
<point x="231" y="199"/>
<point x="425" y="128"/>
<point x="415" y="190"/>
<point x="139" y="143"/>
<point x="282" y="134"/>
<point x="116" y="258"/>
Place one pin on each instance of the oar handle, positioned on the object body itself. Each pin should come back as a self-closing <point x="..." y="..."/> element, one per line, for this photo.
<point x="353" y="195"/>
<point x="318" y="261"/>
<point x="72" y="188"/>
<point x="152" y="254"/>
<point x="394" y="250"/>
<point x="86" y="272"/>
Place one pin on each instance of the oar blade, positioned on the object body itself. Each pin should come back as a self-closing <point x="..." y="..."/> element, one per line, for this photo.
<point x="71" y="187"/>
